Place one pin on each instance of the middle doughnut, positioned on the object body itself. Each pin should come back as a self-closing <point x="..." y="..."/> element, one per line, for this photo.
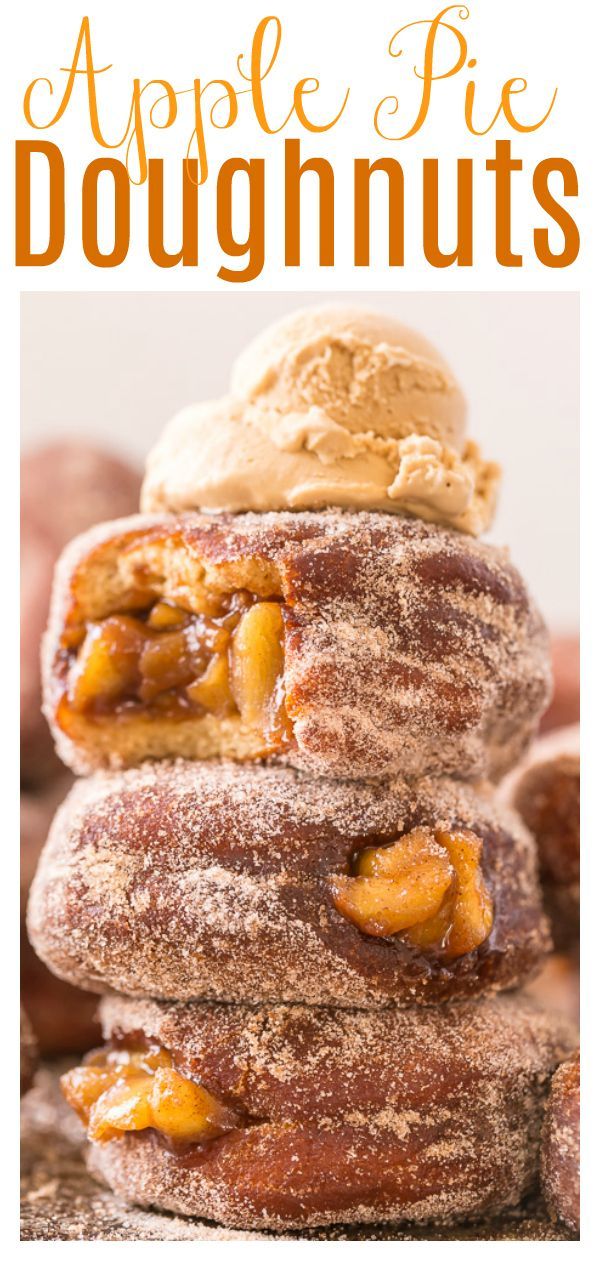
<point x="254" y="884"/>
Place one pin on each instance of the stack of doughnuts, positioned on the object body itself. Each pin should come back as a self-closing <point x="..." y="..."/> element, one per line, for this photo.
<point x="289" y="688"/>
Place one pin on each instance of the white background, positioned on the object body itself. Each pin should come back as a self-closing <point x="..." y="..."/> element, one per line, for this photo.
<point x="115" y="367"/>
<point x="344" y="45"/>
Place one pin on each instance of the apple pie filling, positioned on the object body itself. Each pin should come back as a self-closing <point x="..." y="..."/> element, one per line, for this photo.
<point x="125" y="1089"/>
<point x="170" y="662"/>
<point x="427" y="887"/>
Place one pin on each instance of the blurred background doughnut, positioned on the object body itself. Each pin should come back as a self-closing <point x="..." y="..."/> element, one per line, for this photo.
<point x="66" y="486"/>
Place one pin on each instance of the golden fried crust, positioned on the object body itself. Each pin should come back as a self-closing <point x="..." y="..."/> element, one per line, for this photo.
<point x="560" y="1145"/>
<point x="347" y="1116"/>
<point x="213" y="881"/>
<point x="408" y="648"/>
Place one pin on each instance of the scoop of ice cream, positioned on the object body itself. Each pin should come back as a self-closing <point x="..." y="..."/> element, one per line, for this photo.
<point x="329" y="408"/>
<point x="365" y="372"/>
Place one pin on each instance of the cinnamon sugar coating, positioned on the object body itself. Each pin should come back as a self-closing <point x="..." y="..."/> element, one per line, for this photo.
<point x="560" y="1145"/>
<point x="196" y="880"/>
<point x="408" y="648"/>
<point x="348" y="1116"/>
<point x="60" y="1200"/>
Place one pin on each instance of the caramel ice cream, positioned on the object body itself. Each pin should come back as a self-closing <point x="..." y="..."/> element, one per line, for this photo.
<point x="331" y="407"/>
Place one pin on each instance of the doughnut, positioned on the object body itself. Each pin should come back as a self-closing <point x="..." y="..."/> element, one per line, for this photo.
<point x="64" y="1018"/>
<point x="61" y="1200"/>
<point x="560" y="1145"/>
<point x="86" y="485"/>
<point x="557" y="985"/>
<point x="348" y="645"/>
<point x="258" y="883"/>
<point x="545" y="792"/>
<point x="563" y="710"/>
<point x="291" y="1116"/>
<point x="28" y="1052"/>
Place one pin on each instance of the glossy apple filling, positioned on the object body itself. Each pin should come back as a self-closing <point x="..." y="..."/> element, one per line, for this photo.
<point x="426" y="887"/>
<point x="127" y="1089"/>
<point x="169" y="662"/>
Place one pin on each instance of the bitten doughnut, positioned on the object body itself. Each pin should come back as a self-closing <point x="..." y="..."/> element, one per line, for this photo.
<point x="256" y="884"/>
<point x="296" y="1117"/>
<point x="545" y="792"/>
<point x="348" y="645"/>
<point x="560" y="1145"/>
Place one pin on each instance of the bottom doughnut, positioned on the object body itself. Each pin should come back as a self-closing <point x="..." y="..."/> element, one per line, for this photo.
<point x="292" y="1117"/>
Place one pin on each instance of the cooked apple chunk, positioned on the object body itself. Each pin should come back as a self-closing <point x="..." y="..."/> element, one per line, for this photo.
<point x="107" y="665"/>
<point x="119" y="1092"/>
<point x="212" y="691"/>
<point x="473" y="911"/>
<point x="427" y="886"/>
<point x="257" y="666"/>
<point x="395" y="886"/>
<point x="166" y="661"/>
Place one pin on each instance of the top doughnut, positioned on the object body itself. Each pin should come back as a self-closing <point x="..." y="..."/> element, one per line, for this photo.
<point x="348" y="645"/>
